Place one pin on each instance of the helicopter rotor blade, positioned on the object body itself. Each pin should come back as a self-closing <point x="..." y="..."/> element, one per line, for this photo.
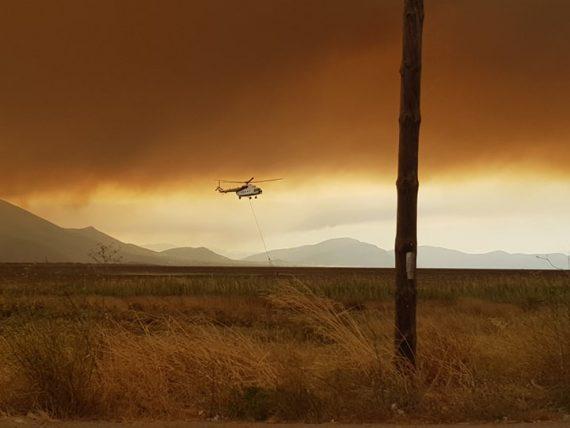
<point x="251" y="180"/>
<point x="265" y="181"/>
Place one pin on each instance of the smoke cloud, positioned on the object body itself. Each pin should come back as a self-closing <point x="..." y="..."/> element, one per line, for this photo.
<point x="143" y="93"/>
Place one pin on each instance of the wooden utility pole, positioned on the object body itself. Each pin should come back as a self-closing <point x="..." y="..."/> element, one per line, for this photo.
<point x="408" y="184"/>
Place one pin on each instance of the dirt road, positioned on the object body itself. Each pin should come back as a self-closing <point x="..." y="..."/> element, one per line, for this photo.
<point x="28" y="422"/>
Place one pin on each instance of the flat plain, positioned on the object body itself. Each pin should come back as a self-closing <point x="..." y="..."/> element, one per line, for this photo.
<point x="141" y="343"/>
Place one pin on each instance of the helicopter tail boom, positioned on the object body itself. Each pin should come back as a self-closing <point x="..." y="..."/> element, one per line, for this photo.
<point x="220" y="189"/>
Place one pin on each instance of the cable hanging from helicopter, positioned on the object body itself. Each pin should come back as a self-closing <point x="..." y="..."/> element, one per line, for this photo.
<point x="249" y="190"/>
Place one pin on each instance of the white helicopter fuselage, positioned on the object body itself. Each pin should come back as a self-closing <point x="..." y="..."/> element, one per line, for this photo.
<point x="246" y="190"/>
<point x="249" y="191"/>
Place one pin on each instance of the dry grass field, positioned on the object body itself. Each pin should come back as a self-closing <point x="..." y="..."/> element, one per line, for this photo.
<point x="280" y="345"/>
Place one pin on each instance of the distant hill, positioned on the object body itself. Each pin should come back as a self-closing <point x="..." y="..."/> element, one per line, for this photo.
<point x="159" y="246"/>
<point x="353" y="253"/>
<point x="25" y="237"/>
<point x="198" y="255"/>
<point x="128" y="253"/>
<point x="443" y="257"/>
<point x="334" y="252"/>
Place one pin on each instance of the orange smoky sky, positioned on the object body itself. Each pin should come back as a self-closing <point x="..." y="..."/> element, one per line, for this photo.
<point x="143" y="93"/>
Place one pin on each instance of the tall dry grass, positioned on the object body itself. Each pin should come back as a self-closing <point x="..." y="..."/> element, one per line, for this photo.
<point x="189" y="370"/>
<point x="51" y="367"/>
<point x="296" y="355"/>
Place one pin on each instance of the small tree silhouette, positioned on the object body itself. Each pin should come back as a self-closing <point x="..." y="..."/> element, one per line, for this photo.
<point x="106" y="254"/>
<point x="547" y="260"/>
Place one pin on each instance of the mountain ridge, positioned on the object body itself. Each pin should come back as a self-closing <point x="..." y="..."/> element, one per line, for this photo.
<point x="26" y="237"/>
<point x="370" y="255"/>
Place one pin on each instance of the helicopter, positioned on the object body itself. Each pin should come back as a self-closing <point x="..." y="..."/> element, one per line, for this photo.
<point x="247" y="188"/>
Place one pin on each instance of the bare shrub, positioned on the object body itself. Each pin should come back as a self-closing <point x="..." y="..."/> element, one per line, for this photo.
<point x="106" y="254"/>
